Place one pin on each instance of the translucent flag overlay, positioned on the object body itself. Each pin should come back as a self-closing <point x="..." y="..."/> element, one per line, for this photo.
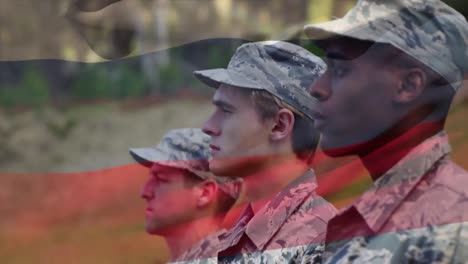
<point x="82" y="81"/>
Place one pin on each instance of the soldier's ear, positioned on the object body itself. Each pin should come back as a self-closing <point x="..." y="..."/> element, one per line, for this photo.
<point x="412" y="83"/>
<point x="283" y="125"/>
<point x="207" y="191"/>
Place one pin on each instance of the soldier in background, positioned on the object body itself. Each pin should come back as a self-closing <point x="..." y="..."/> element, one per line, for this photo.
<point x="261" y="131"/>
<point x="186" y="204"/>
<point x="393" y="69"/>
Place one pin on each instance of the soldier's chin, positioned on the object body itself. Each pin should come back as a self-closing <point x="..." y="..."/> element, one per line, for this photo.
<point x="152" y="229"/>
<point x="224" y="167"/>
<point x="236" y="166"/>
<point x="157" y="229"/>
<point x="326" y="143"/>
<point x="335" y="148"/>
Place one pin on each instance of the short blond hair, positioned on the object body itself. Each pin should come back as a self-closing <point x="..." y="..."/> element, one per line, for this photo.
<point x="305" y="137"/>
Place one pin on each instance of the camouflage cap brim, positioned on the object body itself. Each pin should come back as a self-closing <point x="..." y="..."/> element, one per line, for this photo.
<point x="337" y="28"/>
<point x="215" y="77"/>
<point x="148" y="156"/>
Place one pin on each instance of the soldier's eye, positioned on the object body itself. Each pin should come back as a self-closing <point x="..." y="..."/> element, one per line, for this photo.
<point x="161" y="180"/>
<point x="224" y="110"/>
<point x="338" y="69"/>
<point x="158" y="178"/>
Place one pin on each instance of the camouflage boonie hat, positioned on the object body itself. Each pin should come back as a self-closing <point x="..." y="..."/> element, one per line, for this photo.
<point x="285" y="70"/>
<point x="188" y="149"/>
<point x="428" y="30"/>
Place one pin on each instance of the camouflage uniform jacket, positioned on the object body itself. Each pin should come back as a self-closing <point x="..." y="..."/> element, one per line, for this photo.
<point x="413" y="214"/>
<point x="203" y="251"/>
<point x="280" y="230"/>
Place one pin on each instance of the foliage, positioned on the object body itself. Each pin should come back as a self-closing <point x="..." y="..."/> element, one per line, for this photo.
<point x="91" y="83"/>
<point x="218" y="57"/>
<point x="32" y="90"/>
<point x="312" y="47"/>
<point x="128" y="83"/>
<point x="99" y="81"/>
<point x="170" y="78"/>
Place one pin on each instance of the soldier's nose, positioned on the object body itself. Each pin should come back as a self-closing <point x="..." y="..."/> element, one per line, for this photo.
<point x="146" y="192"/>
<point x="210" y="129"/>
<point x="320" y="90"/>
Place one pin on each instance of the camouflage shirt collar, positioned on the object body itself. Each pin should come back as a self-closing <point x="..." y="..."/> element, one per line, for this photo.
<point x="269" y="219"/>
<point x="205" y="248"/>
<point x="385" y="195"/>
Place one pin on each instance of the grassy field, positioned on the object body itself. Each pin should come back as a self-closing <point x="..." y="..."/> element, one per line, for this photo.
<point x="69" y="195"/>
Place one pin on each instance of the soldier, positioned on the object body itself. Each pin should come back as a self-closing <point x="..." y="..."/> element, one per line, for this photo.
<point x="393" y="69"/>
<point x="186" y="204"/>
<point x="261" y="131"/>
